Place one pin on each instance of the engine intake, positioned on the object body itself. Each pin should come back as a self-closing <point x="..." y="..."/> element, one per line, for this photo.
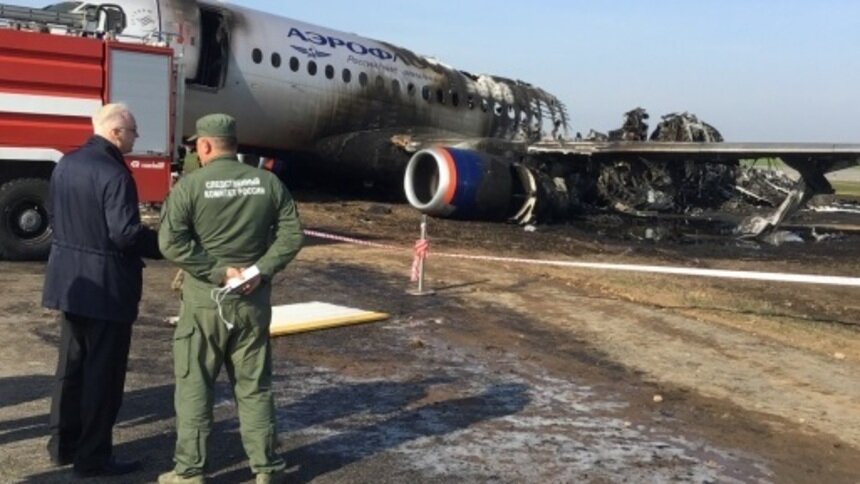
<point x="450" y="182"/>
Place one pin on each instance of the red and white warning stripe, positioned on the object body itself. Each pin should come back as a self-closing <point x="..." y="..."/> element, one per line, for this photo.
<point x="420" y="250"/>
<point x="48" y="105"/>
<point x="30" y="154"/>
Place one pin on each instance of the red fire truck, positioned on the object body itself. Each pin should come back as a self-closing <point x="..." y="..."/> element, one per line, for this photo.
<point x="58" y="68"/>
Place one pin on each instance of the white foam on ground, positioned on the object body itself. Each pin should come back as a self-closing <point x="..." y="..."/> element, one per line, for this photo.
<point x="453" y="414"/>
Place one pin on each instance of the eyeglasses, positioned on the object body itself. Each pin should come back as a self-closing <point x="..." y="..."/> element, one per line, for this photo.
<point x="133" y="130"/>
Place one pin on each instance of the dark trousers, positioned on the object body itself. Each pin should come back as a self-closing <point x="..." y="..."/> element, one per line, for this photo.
<point x="88" y="390"/>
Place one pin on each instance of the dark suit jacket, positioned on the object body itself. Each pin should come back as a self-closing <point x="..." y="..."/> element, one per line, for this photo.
<point x="95" y="268"/>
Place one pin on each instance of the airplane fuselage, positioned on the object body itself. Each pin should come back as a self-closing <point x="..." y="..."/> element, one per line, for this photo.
<point x="295" y="86"/>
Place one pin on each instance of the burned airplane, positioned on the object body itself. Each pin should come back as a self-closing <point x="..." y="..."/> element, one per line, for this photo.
<point x="459" y="144"/>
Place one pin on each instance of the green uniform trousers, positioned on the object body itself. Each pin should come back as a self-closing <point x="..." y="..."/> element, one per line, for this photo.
<point x="202" y="343"/>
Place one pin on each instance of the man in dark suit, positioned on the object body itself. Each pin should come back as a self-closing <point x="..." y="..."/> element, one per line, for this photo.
<point x="94" y="276"/>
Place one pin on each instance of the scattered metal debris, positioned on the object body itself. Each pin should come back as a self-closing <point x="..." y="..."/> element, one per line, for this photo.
<point x="780" y="237"/>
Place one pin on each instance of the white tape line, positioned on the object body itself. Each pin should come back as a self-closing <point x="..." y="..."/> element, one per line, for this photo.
<point x="681" y="271"/>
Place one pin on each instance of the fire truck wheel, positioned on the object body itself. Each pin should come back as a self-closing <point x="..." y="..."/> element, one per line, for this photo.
<point x="25" y="233"/>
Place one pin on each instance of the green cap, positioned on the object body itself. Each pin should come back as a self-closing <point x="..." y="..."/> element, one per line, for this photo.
<point x="216" y="126"/>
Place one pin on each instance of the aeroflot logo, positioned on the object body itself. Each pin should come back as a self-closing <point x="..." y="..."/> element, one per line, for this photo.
<point x="357" y="48"/>
<point x="312" y="52"/>
<point x="334" y="43"/>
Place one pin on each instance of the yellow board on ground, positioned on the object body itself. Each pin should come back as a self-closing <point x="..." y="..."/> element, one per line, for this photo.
<point x="310" y="316"/>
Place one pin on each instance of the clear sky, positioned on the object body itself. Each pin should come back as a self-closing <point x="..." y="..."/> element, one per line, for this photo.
<point x="758" y="70"/>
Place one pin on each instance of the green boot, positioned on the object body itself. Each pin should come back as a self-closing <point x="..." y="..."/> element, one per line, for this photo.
<point x="173" y="478"/>
<point x="277" y="477"/>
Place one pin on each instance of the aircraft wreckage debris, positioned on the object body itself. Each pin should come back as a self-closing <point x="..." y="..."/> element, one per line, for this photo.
<point x="683" y="167"/>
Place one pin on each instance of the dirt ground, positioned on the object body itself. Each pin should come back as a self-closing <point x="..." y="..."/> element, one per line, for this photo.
<point x="511" y="372"/>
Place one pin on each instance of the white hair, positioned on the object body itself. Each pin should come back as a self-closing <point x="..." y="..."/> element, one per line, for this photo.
<point x="110" y="116"/>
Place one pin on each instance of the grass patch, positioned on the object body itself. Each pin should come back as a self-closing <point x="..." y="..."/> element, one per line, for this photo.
<point x="847" y="189"/>
<point x="772" y="163"/>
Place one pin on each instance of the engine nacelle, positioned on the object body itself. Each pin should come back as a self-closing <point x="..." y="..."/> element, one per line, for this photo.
<point x="450" y="182"/>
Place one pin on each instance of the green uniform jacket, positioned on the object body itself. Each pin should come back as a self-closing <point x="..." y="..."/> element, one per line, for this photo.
<point x="228" y="214"/>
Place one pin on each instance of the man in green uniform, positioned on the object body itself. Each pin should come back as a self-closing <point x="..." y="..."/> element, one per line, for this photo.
<point x="217" y="222"/>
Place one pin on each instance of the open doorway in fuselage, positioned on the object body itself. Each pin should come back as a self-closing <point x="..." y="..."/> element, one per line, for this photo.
<point x="214" y="49"/>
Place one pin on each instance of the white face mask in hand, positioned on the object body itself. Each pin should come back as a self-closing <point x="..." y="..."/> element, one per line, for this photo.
<point x="233" y="285"/>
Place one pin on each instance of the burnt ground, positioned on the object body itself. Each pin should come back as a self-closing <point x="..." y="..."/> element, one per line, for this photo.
<point x="510" y="372"/>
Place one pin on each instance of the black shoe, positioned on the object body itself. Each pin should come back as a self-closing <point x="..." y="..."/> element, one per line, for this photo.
<point x="61" y="455"/>
<point x="62" y="460"/>
<point x="112" y="468"/>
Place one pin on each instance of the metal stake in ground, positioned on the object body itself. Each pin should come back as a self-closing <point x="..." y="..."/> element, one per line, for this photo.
<point x="421" y="248"/>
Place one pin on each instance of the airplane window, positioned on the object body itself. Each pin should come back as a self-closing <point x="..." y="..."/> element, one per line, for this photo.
<point x="257" y="56"/>
<point x="294" y="64"/>
<point x="498" y="110"/>
<point x="346" y="75"/>
<point x="511" y="113"/>
<point x="470" y="101"/>
<point x="455" y="99"/>
<point x="312" y="68"/>
<point x="485" y="105"/>
<point x="276" y="60"/>
<point x="380" y="83"/>
<point x="329" y="72"/>
<point x="410" y="88"/>
<point x="395" y="86"/>
<point x="425" y="93"/>
<point x="362" y="79"/>
<point x="440" y="96"/>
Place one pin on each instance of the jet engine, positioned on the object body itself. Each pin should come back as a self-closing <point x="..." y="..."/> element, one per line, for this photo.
<point x="466" y="184"/>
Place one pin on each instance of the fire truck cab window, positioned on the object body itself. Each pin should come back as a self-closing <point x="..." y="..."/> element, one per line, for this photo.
<point x="214" y="49"/>
<point x="257" y="56"/>
<point x="63" y="7"/>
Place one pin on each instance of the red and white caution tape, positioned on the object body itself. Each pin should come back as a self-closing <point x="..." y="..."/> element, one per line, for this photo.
<point x="350" y="240"/>
<point x="683" y="271"/>
<point x="421" y="249"/>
